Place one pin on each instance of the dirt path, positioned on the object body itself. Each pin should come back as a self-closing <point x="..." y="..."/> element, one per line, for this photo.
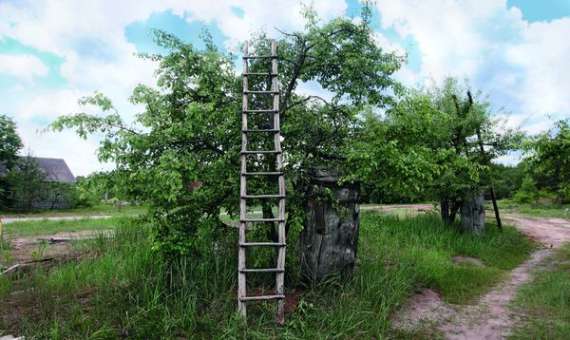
<point x="490" y="318"/>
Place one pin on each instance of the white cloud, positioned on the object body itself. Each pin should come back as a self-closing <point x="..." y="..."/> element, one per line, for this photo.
<point x="22" y="66"/>
<point x="89" y="36"/>
<point x="521" y="65"/>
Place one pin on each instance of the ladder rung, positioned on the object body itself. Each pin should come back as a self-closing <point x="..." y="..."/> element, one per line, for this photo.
<point x="275" y="219"/>
<point x="263" y="173"/>
<point x="260" y="130"/>
<point x="262" y="270"/>
<point x="261" y="111"/>
<point x="261" y="92"/>
<point x="262" y="297"/>
<point x="263" y="196"/>
<point x="259" y="74"/>
<point x="259" y="56"/>
<point x="262" y="244"/>
<point x="254" y="152"/>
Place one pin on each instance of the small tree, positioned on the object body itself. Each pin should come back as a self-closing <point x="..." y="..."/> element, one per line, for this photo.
<point x="427" y="146"/>
<point x="181" y="155"/>
<point x="27" y="184"/>
<point x="549" y="160"/>
<point x="10" y="144"/>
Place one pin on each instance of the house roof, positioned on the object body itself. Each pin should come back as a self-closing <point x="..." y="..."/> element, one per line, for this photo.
<point x="55" y="169"/>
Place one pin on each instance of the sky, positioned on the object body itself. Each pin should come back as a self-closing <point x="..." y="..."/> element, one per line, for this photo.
<point x="53" y="52"/>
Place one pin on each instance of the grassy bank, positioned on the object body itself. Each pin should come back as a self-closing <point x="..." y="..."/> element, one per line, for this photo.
<point x="126" y="290"/>
<point x="535" y="210"/>
<point x="48" y="227"/>
<point x="546" y="301"/>
<point x="97" y="210"/>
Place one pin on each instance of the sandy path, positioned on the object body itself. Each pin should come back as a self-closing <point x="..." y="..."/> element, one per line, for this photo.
<point x="490" y="318"/>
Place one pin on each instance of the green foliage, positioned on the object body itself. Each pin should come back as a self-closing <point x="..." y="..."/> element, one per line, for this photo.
<point x="181" y="154"/>
<point x="123" y="290"/>
<point x="10" y="144"/>
<point x="549" y="160"/>
<point x="527" y="193"/>
<point x="507" y="179"/>
<point x="26" y="183"/>
<point x="427" y="146"/>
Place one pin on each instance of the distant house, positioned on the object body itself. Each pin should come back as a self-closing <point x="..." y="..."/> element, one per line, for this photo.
<point x="54" y="191"/>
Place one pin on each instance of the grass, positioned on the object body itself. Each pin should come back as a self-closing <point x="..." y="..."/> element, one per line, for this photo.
<point x="49" y="227"/>
<point x="125" y="290"/>
<point x="100" y="209"/>
<point x="535" y="210"/>
<point x="546" y="301"/>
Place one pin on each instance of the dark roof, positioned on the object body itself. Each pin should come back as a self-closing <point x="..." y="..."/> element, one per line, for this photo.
<point x="55" y="169"/>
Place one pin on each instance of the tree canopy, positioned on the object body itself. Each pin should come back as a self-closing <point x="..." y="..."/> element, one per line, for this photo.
<point x="429" y="146"/>
<point x="10" y="142"/>
<point x="549" y="160"/>
<point x="181" y="153"/>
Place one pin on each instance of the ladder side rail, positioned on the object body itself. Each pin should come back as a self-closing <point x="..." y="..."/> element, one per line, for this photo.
<point x="242" y="276"/>
<point x="280" y="275"/>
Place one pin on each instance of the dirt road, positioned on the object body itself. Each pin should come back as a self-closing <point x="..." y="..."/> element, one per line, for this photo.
<point x="490" y="318"/>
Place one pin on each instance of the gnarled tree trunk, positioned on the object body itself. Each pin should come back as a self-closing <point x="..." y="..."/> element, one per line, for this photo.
<point x="473" y="213"/>
<point x="330" y="237"/>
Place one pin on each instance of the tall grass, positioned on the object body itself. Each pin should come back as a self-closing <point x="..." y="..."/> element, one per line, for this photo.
<point x="124" y="289"/>
<point x="546" y="301"/>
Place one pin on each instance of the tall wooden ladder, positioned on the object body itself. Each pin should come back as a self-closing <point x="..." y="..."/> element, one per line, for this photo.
<point x="245" y="197"/>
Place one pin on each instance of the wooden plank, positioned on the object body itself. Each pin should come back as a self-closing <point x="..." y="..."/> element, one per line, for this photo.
<point x="263" y="297"/>
<point x="280" y="276"/>
<point x="262" y="244"/>
<point x="263" y="270"/>
<point x="242" y="283"/>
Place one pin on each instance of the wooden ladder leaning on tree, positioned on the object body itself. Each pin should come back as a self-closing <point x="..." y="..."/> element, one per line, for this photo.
<point x="246" y="220"/>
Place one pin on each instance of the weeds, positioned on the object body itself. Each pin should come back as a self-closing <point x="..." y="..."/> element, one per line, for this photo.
<point x="546" y="300"/>
<point x="127" y="290"/>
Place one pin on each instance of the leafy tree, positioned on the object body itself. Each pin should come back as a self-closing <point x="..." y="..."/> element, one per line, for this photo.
<point x="26" y="184"/>
<point x="427" y="145"/>
<point x="527" y="193"/>
<point x="10" y="144"/>
<point x="181" y="155"/>
<point x="507" y="179"/>
<point x="549" y="160"/>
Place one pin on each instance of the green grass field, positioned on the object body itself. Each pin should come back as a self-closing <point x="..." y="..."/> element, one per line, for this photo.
<point x="48" y="227"/>
<point x="100" y="209"/>
<point x="535" y="210"/>
<point x="127" y="290"/>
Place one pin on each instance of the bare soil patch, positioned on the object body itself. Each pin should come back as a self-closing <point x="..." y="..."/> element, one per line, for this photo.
<point x="55" y="246"/>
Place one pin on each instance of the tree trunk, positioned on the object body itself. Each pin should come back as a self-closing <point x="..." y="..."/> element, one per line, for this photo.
<point x="473" y="214"/>
<point x="330" y="237"/>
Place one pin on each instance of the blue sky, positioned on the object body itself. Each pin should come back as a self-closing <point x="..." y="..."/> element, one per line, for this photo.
<point x="52" y="52"/>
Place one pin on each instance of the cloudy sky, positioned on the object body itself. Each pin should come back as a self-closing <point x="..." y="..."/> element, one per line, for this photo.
<point x="53" y="52"/>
